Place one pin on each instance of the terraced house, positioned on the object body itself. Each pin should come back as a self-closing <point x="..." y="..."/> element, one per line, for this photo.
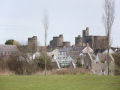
<point x="8" y="50"/>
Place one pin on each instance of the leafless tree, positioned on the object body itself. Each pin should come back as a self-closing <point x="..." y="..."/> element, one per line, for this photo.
<point x="45" y="22"/>
<point x="108" y="18"/>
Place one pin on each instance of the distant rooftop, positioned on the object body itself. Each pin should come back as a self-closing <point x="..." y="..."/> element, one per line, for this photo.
<point x="7" y="48"/>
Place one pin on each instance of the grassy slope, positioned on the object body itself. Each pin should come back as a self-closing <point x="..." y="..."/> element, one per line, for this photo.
<point x="59" y="82"/>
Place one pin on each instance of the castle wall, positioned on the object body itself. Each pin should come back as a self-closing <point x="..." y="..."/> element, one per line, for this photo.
<point x="66" y="43"/>
<point x="100" y="42"/>
<point x="95" y="42"/>
<point x="57" y="42"/>
<point x="89" y="40"/>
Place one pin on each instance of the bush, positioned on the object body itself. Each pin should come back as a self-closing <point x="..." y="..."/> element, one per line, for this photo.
<point x="3" y="65"/>
<point x="117" y="63"/>
<point x="17" y="66"/>
<point x="70" y="71"/>
<point x="12" y="42"/>
<point x="79" y="62"/>
<point x="41" y="62"/>
<point x="14" y="65"/>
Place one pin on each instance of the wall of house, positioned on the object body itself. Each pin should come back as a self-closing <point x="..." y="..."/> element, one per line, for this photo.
<point x="100" y="66"/>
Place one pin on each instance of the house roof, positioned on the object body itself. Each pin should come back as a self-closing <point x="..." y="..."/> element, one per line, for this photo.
<point x="117" y="50"/>
<point x="8" y="48"/>
<point x="85" y="50"/>
<point x="70" y="48"/>
<point x="110" y="51"/>
<point x="73" y="52"/>
<point x="104" y="57"/>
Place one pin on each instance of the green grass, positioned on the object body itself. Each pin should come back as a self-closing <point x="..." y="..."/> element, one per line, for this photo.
<point x="60" y="82"/>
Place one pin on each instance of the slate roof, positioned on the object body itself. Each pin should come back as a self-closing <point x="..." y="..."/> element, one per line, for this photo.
<point x="73" y="52"/>
<point x="104" y="57"/>
<point x="70" y="48"/>
<point x="8" y="48"/>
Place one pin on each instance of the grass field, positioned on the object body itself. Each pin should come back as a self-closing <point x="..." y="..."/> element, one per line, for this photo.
<point x="60" y="82"/>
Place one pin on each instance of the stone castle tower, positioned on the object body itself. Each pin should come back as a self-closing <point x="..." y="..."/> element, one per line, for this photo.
<point x="86" y="32"/>
<point x="32" y="43"/>
<point x="58" y="42"/>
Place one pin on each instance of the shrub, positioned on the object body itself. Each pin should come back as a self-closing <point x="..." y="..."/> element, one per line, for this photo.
<point x="117" y="63"/>
<point x="70" y="71"/>
<point x="41" y="62"/>
<point x="17" y="66"/>
<point x="79" y="62"/>
<point x="3" y="65"/>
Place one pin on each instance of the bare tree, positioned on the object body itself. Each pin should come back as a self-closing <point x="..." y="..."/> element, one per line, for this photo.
<point x="46" y="29"/>
<point x="108" y="18"/>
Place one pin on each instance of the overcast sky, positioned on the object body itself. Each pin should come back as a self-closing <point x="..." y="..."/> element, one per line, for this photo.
<point x="20" y="19"/>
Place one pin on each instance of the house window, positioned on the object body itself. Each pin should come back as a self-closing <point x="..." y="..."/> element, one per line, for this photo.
<point x="64" y="53"/>
<point x="3" y="53"/>
<point x="60" y="53"/>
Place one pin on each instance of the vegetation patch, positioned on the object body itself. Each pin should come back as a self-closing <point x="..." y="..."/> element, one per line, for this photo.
<point x="60" y="82"/>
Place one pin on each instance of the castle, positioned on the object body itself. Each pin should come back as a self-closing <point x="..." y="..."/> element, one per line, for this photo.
<point x="95" y="42"/>
<point x="58" y="42"/>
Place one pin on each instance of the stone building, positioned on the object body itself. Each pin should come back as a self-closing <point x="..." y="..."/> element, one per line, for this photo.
<point x="32" y="43"/>
<point x="95" y="42"/>
<point x="58" y="42"/>
<point x="78" y="41"/>
<point x="66" y="44"/>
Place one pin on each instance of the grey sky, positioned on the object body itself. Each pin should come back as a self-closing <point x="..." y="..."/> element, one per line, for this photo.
<point x="20" y="19"/>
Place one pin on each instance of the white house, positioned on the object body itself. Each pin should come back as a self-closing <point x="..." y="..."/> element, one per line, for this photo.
<point x="97" y="63"/>
<point x="62" y="57"/>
